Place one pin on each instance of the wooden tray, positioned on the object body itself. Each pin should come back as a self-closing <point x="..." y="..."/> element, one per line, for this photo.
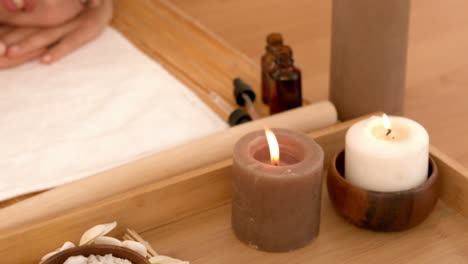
<point x="188" y="217"/>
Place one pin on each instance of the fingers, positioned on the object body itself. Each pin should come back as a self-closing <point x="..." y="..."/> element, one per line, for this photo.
<point x="6" y="62"/>
<point x="3" y="30"/>
<point x="92" y="24"/>
<point x="39" y="39"/>
<point x="65" y="38"/>
<point x="17" y="35"/>
<point x="68" y="44"/>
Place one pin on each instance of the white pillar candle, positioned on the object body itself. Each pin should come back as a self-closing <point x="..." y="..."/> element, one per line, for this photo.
<point x="387" y="155"/>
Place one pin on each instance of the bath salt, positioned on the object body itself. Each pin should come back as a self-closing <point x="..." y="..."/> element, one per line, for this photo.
<point x="92" y="259"/>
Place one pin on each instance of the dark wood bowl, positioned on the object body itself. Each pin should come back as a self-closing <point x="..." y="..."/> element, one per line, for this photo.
<point x="101" y="250"/>
<point x="382" y="211"/>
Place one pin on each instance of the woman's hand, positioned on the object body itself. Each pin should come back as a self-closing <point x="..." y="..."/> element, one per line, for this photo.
<point x="6" y="62"/>
<point x="6" y="36"/>
<point x="52" y="43"/>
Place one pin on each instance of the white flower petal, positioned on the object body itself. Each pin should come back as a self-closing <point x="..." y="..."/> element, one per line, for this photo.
<point x="95" y="232"/>
<point x="67" y="245"/>
<point x="135" y="246"/>
<point x="105" y="240"/>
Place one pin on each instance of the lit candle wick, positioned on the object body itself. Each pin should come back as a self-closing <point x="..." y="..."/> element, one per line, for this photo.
<point x="273" y="146"/>
<point x="388" y="132"/>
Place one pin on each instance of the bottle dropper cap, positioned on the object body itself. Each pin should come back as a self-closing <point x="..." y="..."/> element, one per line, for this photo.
<point x="274" y="39"/>
<point x="239" y="116"/>
<point x="284" y="56"/>
<point x="240" y="87"/>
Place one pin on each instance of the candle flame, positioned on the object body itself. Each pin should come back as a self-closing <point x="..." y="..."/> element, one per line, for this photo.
<point x="386" y="122"/>
<point x="273" y="145"/>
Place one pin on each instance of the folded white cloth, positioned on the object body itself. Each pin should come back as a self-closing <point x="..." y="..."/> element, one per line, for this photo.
<point x="102" y="106"/>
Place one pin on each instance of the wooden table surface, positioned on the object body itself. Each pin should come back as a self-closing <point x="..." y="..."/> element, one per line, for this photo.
<point x="437" y="79"/>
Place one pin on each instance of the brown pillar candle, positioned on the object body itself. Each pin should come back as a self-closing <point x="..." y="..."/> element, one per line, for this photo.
<point x="368" y="56"/>
<point x="276" y="201"/>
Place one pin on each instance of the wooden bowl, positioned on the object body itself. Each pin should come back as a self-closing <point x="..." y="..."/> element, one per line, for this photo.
<point x="382" y="211"/>
<point x="102" y="250"/>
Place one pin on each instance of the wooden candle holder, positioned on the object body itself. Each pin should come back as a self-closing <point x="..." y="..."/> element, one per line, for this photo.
<point x="382" y="211"/>
<point x="119" y="252"/>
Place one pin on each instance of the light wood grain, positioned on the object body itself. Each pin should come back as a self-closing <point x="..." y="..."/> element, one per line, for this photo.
<point x="17" y="199"/>
<point x="442" y="238"/>
<point x="198" y="58"/>
<point x="305" y="25"/>
<point x="454" y="181"/>
<point x="187" y="217"/>
<point x="437" y="70"/>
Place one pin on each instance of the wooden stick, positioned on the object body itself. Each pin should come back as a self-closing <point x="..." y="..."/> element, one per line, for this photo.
<point x="126" y="237"/>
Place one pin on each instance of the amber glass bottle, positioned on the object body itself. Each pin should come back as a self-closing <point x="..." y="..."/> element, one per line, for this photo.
<point x="274" y="42"/>
<point x="286" y="92"/>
